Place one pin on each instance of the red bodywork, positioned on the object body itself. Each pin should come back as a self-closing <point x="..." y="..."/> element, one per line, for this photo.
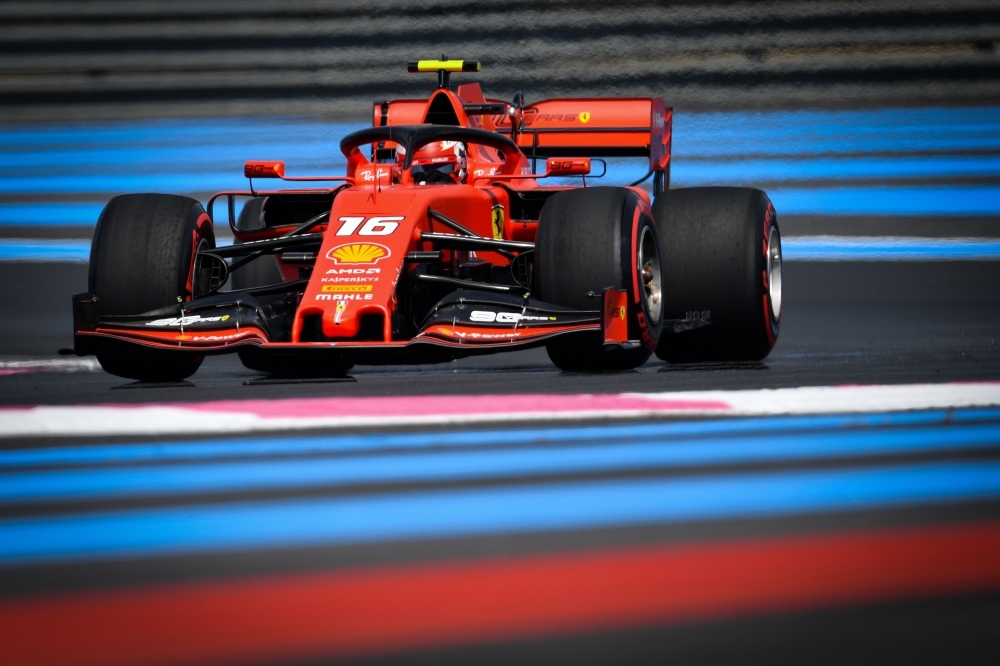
<point x="378" y="216"/>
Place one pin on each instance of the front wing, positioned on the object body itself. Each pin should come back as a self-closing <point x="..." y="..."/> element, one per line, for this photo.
<point x="466" y="323"/>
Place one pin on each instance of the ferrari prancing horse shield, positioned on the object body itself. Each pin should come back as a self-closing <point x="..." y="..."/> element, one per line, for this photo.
<point x="497" y="216"/>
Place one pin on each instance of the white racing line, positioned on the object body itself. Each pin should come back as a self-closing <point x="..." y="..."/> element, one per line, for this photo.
<point x="233" y="417"/>
<point x="29" y="366"/>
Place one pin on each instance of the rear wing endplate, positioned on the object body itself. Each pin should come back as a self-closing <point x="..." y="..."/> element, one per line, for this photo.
<point x="586" y="127"/>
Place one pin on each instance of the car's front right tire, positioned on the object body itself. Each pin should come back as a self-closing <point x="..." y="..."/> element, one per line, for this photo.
<point x="590" y="239"/>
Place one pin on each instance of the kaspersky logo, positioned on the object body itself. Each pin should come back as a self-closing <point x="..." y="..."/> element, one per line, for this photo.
<point x="358" y="253"/>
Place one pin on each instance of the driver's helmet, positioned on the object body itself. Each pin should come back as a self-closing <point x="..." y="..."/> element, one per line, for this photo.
<point x="437" y="162"/>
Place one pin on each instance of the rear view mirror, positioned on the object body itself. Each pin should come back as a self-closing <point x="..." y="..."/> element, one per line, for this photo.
<point x="257" y="169"/>
<point x="567" y="166"/>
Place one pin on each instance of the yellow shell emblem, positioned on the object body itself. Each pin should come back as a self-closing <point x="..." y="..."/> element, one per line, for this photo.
<point x="358" y="253"/>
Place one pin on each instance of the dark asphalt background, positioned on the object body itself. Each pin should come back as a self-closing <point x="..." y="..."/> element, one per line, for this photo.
<point x="843" y="323"/>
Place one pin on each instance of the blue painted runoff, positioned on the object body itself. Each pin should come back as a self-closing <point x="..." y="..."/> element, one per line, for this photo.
<point x="485" y="511"/>
<point x="819" y="248"/>
<point x="958" y="200"/>
<point x="825" y="248"/>
<point x="82" y="213"/>
<point x="433" y="466"/>
<point x="200" y="450"/>
<point x="810" y="149"/>
<point x="15" y="249"/>
<point x="51" y="213"/>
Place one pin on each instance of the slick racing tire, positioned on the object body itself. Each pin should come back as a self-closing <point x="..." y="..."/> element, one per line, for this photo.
<point x="721" y="253"/>
<point x="590" y="239"/>
<point x="142" y="259"/>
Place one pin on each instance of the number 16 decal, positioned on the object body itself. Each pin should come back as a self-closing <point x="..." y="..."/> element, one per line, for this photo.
<point x="375" y="226"/>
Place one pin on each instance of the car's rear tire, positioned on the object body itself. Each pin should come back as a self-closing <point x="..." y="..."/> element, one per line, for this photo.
<point x="590" y="239"/>
<point x="721" y="253"/>
<point x="141" y="259"/>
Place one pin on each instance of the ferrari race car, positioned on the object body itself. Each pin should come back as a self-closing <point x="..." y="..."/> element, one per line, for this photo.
<point x="443" y="239"/>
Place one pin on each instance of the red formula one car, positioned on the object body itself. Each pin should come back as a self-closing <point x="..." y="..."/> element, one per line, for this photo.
<point x="443" y="239"/>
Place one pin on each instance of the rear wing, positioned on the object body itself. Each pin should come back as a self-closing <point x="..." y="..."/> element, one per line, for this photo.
<point x="586" y="127"/>
<point x="568" y="127"/>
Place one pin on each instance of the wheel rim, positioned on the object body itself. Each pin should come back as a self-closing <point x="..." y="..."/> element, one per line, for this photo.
<point x="774" y="272"/>
<point x="649" y="274"/>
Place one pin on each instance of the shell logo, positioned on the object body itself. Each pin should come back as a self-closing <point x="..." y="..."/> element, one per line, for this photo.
<point x="358" y="253"/>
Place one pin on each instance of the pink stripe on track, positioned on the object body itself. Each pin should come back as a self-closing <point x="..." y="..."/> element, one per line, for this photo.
<point x="448" y="405"/>
<point x="428" y="406"/>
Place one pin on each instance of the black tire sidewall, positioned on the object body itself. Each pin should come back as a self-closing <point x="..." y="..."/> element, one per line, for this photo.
<point x="575" y="254"/>
<point x="714" y="253"/>
<point x="145" y="364"/>
<point x="142" y="255"/>
<point x="142" y="259"/>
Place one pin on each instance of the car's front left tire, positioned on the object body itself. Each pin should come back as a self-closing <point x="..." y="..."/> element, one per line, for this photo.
<point x="142" y="259"/>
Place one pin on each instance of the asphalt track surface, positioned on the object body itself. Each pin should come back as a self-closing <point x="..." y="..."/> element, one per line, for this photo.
<point x="843" y="323"/>
<point x="865" y="539"/>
